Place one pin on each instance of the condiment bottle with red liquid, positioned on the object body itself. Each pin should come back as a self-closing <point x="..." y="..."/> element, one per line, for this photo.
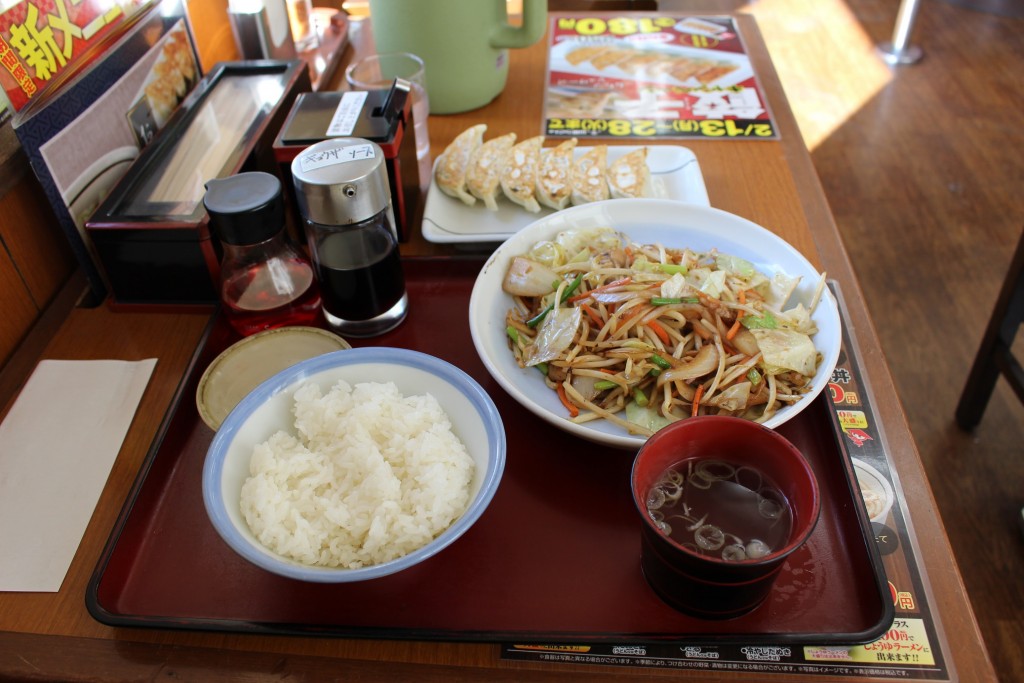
<point x="265" y="282"/>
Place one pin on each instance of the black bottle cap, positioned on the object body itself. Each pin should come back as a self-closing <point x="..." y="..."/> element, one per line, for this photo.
<point x="246" y="208"/>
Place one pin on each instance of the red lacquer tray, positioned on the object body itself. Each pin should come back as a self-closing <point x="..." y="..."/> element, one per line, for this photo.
<point x="554" y="558"/>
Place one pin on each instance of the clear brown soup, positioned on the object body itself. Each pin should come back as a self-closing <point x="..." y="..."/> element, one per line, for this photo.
<point x="721" y="510"/>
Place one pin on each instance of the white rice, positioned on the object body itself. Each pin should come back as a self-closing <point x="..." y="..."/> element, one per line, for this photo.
<point x="371" y="476"/>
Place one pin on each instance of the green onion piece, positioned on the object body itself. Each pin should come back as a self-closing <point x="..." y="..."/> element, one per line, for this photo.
<point x="605" y="384"/>
<point x="543" y="367"/>
<point x="660" y="362"/>
<point x="754" y="376"/>
<point x="672" y="268"/>
<point x="669" y="300"/>
<point x="573" y="286"/>
<point x="536" y="320"/>
<point x="640" y="397"/>
<point x="654" y="372"/>
<point x="513" y="333"/>
<point x="566" y="293"/>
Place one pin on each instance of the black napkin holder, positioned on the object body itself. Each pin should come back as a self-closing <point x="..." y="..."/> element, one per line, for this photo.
<point x="151" y="233"/>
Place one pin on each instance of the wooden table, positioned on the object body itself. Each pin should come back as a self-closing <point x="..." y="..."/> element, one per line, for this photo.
<point x="53" y="637"/>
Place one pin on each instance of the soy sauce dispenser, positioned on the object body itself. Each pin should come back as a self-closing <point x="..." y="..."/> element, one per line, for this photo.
<point x="341" y="188"/>
<point x="265" y="282"/>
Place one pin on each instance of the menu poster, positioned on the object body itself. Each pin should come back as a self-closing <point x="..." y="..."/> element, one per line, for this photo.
<point x="43" y="40"/>
<point x="912" y="648"/>
<point x="82" y="137"/>
<point x="652" y="76"/>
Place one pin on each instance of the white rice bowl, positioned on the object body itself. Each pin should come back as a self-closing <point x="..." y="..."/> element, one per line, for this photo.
<point x="354" y="465"/>
<point x="370" y="476"/>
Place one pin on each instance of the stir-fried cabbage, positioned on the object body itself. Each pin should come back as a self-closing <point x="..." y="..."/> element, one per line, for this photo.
<point x="555" y="335"/>
<point x="684" y="332"/>
<point x="785" y="350"/>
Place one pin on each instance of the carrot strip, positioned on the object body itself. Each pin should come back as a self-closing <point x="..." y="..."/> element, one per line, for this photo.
<point x="733" y="330"/>
<point x="573" y="410"/>
<point x="743" y="296"/>
<point x="658" y="330"/>
<point x="602" y="288"/>
<point x="607" y="371"/>
<point x="593" y="315"/>
<point x="637" y="311"/>
<point x="696" y="400"/>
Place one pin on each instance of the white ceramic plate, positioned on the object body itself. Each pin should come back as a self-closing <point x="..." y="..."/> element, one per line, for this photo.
<point x="673" y="224"/>
<point x="675" y="174"/>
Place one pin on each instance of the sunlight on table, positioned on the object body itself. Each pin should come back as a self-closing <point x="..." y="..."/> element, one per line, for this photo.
<point x="845" y="73"/>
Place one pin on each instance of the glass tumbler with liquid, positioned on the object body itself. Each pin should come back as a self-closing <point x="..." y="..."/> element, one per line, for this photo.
<point x="378" y="72"/>
<point x="264" y="281"/>
<point x="341" y="187"/>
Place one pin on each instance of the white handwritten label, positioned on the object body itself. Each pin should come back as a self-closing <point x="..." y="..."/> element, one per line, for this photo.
<point x="312" y="160"/>
<point x="345" y="116"/>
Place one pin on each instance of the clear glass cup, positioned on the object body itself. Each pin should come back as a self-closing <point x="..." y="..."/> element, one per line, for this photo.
<point x="303" y="25"/>
<point x="377" y="72"/>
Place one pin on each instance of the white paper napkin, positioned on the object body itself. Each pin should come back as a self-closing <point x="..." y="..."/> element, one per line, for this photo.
<point x="57" y="446"/>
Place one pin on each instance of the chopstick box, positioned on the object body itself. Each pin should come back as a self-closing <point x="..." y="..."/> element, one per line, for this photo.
<point x="151" y="233"/>
<point x="382" y="116"/>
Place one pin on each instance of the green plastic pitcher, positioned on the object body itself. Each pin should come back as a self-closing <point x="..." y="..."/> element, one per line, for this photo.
<point x="463" y="44"/>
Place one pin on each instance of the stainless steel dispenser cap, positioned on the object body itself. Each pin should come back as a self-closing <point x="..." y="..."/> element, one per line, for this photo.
<point x="341" y="181"/>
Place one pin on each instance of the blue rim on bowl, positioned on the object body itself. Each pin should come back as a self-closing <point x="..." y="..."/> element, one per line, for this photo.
<point x="445" y="381"/>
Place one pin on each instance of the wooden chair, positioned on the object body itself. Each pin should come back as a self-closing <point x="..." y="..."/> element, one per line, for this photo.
<point x="995" y="356"/>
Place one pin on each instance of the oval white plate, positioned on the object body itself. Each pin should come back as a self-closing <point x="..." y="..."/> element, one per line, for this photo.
<point x="675" y="174"/>
<point x="673" y="224"/>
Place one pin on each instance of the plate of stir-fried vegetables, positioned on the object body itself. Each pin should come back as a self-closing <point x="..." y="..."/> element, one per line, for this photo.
<point x="611" y="320"/>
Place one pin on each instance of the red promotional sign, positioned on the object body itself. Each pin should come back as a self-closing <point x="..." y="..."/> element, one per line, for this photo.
<point x="652" y="76"/>
<point x="43" y="39"/>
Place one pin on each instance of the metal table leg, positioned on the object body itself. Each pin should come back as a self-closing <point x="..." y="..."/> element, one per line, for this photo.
<point x="899" y="51"/>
